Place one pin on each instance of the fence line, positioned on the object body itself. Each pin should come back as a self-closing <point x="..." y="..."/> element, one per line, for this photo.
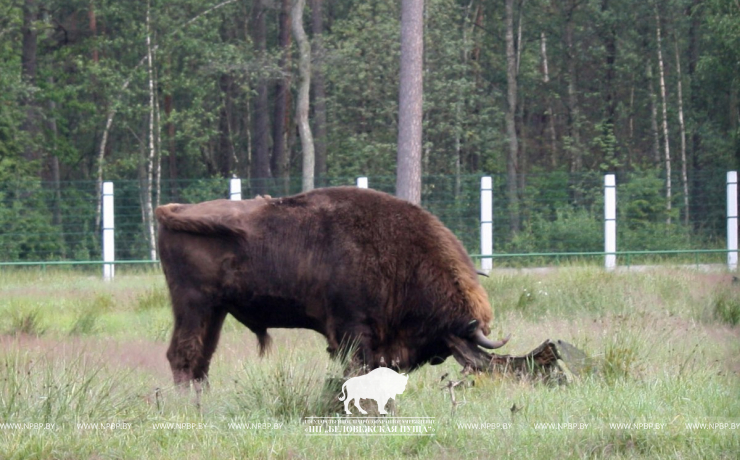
<point x="559" y="215"/>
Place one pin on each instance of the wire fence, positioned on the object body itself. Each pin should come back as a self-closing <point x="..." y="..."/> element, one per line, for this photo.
<point x="553" y="217"/>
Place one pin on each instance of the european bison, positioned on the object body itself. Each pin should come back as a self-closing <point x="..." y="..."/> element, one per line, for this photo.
<point x="355" y="265"/>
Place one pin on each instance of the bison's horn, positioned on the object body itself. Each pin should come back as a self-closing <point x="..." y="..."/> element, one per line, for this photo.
<point x="482" y="273"/>
<point x="485" y="342"/>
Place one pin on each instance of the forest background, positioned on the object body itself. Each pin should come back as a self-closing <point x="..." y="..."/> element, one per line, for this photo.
<point x="538" y="93"/>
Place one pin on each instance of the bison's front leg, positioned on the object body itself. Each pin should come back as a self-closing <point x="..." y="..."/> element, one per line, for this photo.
<point x="194" y="340"/>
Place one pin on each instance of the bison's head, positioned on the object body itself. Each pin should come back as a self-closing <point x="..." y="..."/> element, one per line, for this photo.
<point x="477" y="334"/>
<point x="466" y="346"/>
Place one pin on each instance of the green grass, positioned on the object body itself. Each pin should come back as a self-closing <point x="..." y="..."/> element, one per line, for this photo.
<point x="663" y="349"/>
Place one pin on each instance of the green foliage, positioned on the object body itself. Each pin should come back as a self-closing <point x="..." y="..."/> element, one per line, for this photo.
<point x="571" y="230"/>
<point x="571" y="127"/>
<point x="642" y="200"/>
<point x="28" y="232"/>
<point x="362" y="73"/>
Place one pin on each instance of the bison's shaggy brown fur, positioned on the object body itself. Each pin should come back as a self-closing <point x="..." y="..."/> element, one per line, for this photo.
<point x="353" y="264"/>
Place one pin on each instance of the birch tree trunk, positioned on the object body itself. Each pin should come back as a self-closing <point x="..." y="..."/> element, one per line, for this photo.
<point x="301" y="112"/>
<point x="666" y="141"/>
<point x="682" y="129"/>
<point x="158" y="150"/>
<point x="653" y="116"/>
<point x="148" y="209"/>
<point x="552" y="134"/>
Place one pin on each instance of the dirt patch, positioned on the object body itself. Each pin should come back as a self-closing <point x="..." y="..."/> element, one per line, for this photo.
<point x="136" y="355"/>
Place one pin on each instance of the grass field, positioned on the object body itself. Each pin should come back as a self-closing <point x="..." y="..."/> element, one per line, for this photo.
<point x="83" y="375"/>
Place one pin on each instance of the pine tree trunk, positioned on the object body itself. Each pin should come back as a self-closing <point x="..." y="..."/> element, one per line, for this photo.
<point x="260" y="117"/>
<point x="318" y="89"/>
<point x="512" y="158"/>
<point x="576" y="156"/>
<point x="282" y="92"/>
<point x="29" y="34"/>
<point x="410" y="110"/>
<point x="92" y="21"/>
<point x="694" y="11"/>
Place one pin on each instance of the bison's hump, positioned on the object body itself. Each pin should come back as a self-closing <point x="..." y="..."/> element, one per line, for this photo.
<point x="208" y="217"/>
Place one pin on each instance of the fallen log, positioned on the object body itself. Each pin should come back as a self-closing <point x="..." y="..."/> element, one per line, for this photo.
<point x="555" y="361"/>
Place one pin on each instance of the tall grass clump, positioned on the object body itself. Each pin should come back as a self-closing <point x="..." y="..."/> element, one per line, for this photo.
<point x="26" y="322"/>
<point x="152" y="299"/>
<point x="726" y="307"/>
<point x="286" y="389"/>
<point x="102" y="303"/>
<point x="46" y="390"/>
<point x="85" y="324"/>
<point x="620" y="358"/>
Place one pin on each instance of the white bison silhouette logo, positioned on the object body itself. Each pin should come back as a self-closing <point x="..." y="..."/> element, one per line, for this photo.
<point x="380" y="384"/>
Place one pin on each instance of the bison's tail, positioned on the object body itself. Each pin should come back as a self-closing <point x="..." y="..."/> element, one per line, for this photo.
<point x="265" y="341"/>
<point x="174" y="217"/>
<point x="341" y="398"/>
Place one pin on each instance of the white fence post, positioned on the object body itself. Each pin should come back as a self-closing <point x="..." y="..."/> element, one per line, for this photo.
<point x="362" y="182"/>
<point x="109" y="245"/>
<point x="235" y="189"/>
<point x="610" y="221"/>
<point x="732" y="220"/>
<point x="486" y="222"/>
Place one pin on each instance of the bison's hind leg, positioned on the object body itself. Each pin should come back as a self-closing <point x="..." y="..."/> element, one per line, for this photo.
<point x="194" y="340"/>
